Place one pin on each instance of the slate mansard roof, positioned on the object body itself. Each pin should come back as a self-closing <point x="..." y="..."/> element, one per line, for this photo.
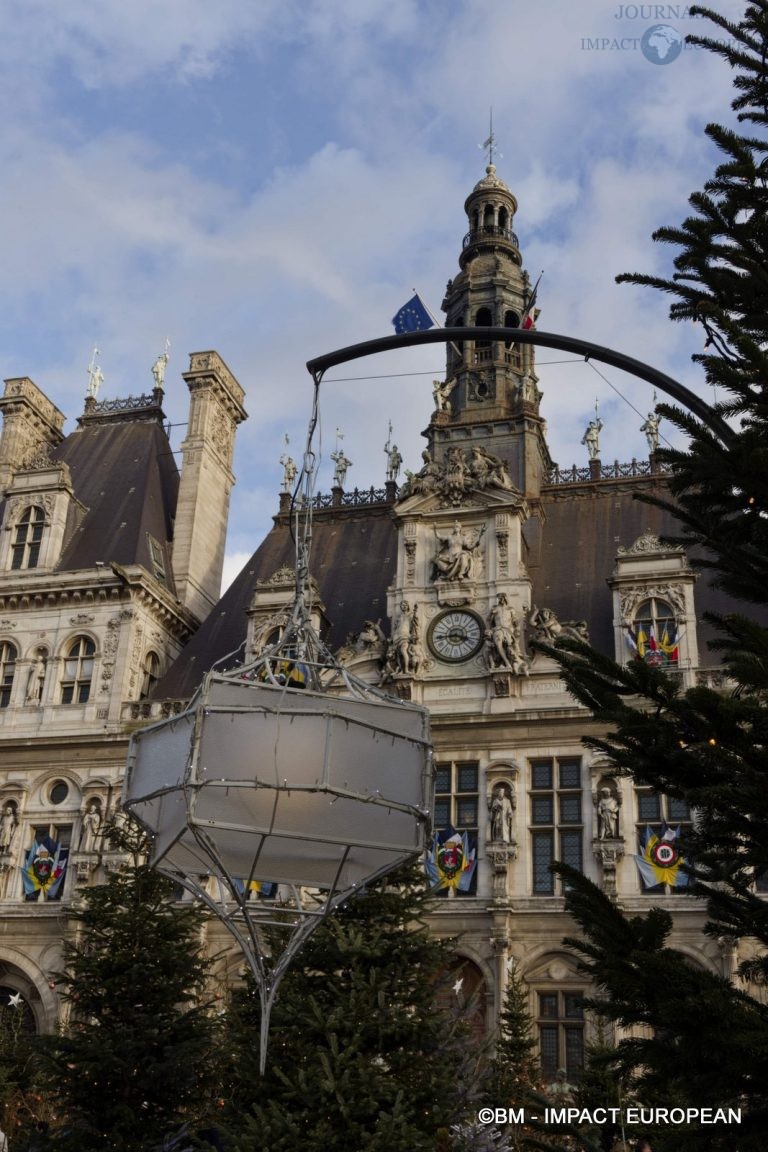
<point x="570" y="552"/>
<point x="125" y="477"/>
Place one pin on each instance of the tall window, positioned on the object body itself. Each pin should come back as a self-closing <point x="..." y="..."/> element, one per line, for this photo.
<point x="556" y="819"/>
<point x="657" y="815"/>
<point x="151" y="673"/>
<point x="656" y="632"/>
<point x="25" y="550"/>
<point x="560" y="1025"/>
<point x="457" y="803"/>
<point x="8" y="655"/>
<point x="78" y="671"/>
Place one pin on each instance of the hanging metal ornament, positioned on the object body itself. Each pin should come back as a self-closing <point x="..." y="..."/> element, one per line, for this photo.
<point x="286" y="786"/>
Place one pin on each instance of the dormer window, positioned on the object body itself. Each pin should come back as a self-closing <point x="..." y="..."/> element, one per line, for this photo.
<point x="655" y="632"/>
<point x="27" y="538"/>
<point x="158" y="560"/>
<point x="78" y="671"/>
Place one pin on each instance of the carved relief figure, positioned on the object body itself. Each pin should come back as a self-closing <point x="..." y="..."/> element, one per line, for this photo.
<point x="441" y="393"/>
<point x="458" y="554"/>
<point x="544" y="625"/>
<point x="36" y="679"/>
<point x="401" y="639"/>
<point x="9" y="822"/>
<point x="502" y="809"/>
<point x="503" y="636"/>
<point x="370" y="637"/>
<point x="91" y="827"/>
<point x="489" y="469"/>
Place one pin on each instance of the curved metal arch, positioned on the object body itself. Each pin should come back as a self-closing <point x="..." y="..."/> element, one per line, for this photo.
<point x="585" y="348"/>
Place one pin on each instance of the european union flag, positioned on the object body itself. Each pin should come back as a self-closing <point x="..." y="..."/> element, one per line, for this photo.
<point x="412" y="317"/>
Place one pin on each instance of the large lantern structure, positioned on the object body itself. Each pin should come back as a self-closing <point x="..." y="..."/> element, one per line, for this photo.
<point x="285" y="787"/>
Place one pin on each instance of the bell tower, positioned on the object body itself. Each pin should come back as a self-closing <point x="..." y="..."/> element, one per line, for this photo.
<point x="491" y="389"/>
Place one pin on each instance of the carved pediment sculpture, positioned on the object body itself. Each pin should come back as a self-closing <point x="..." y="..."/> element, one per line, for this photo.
<point x="461" y="471"/>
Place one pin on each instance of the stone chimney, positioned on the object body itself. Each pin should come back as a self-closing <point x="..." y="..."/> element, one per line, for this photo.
<point x="202" y="511"/>
<point x="30" y="423"/>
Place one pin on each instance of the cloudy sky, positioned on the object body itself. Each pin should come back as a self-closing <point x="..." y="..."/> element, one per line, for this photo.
<point x="272" y="178"/>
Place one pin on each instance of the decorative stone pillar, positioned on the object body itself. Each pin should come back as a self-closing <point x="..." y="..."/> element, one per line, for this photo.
<point x="499" y="857"/>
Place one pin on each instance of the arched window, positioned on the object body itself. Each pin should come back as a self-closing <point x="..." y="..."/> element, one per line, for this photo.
<point x="151" y="674"/>
<point x="483" y="319"/>
<point x="512" y="320"/>
<point x="78" y="671"/>
<point x="655" y="632"/>
<point x="8" y="656"/>
<point x="25" y="550"/>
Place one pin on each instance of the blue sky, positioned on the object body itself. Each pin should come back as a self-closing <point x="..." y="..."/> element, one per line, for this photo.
<point x="272" y="178"/>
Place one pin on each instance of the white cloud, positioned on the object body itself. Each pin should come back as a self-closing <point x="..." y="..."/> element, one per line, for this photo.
<point x="113" y="232"/>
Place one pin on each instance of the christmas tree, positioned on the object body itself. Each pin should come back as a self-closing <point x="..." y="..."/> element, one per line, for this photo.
<point x="361" y="1056"/>
<point x="136" y="1054"/>
<point x="703" y="1041"/>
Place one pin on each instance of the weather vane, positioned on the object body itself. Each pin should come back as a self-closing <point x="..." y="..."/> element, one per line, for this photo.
<point x="490" y="143"/>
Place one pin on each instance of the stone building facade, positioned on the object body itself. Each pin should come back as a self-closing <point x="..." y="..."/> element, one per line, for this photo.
<point x="109" y="561"/>
<point x="435" y="589"/>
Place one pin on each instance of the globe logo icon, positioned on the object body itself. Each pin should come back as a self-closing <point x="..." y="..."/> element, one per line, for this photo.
<point x="661" y="44"/>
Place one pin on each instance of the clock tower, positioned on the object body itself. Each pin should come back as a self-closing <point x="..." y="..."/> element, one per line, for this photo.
<point x="491" y="393"/>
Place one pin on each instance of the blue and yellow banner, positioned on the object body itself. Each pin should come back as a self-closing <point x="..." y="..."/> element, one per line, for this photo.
<point x="660" y="860"/>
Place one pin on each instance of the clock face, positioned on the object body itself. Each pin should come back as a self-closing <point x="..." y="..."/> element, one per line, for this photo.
<point x="456" y="635"/>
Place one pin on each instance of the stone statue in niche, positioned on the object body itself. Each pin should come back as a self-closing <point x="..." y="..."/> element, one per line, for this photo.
<point x="9" y="822"/>
<point x="502" y="810"/>
<point x="457" y="554"/>
<point x="607" y="804"/>
<point x="91" y="827"/>
<point x="36" y="679"/>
